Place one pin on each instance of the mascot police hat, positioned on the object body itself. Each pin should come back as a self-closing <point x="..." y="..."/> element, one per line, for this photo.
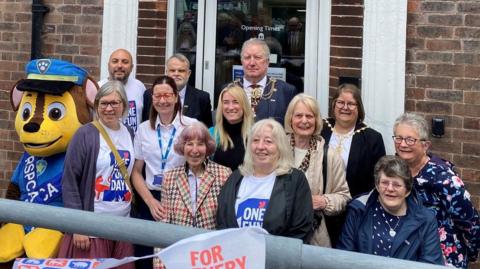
<point x="51" y="76"/>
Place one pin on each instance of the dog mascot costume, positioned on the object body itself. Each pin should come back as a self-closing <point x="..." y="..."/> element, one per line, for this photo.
<point x="53" y="101"/>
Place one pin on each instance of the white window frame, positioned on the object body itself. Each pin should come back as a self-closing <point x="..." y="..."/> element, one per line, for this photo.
<point x="119" y="31"/>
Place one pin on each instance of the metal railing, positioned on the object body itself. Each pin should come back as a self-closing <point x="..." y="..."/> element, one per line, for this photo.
<point x="281" y="252"/>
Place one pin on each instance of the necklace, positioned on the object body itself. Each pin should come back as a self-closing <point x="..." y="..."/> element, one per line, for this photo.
<point x="311" y="146"/>
<point x="341" y="138"/>
<point x="391" y="231"/>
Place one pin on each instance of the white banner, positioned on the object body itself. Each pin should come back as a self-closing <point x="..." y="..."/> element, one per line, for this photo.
<point x="225" y="249"/>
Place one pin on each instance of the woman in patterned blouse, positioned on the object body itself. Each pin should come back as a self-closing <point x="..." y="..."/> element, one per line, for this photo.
<point x="440" y="189"/>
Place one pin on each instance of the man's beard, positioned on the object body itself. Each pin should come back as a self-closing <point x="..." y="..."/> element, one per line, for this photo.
<point x="123" y="79"/>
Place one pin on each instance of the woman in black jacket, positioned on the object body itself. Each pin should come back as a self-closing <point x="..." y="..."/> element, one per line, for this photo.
<point x="267" y="191"/>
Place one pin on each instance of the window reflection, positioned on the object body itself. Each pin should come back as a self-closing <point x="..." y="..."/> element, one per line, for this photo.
<point x="280" y="23"/>
<point x="186" y="32"/>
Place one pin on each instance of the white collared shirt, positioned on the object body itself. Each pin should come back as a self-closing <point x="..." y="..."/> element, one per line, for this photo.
<point x="147" y="147"/>
<point x="181" y="94"/>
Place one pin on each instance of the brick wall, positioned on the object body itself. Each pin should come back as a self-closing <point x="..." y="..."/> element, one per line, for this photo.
<point x="346" y="40"/>
<point x="152" y="21"/>
<point x="442" y="79"/>
<point x="72" y="32"/>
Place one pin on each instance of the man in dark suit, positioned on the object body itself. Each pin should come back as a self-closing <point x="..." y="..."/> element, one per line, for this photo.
<point x="269" y="97"/>
<point x="196" y="103"/>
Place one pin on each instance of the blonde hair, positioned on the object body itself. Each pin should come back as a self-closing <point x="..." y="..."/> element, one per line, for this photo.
<point x="284" y="163"/>
<point x="311" y="104"/>
<point x="224" y="140"/>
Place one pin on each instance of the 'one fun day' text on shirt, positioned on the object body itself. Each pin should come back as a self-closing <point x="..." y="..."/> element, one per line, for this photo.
<point x="112" y="195"/>
<point x="252" y="200"/>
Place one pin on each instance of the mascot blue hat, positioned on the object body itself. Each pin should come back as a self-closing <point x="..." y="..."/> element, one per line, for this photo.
<point x="51" y="76"/>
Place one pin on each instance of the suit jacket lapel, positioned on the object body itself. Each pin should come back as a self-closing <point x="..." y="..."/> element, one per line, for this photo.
<point x="184" y="189"/>
<point x="264" y="108"/>
<point x="187" y="102"/>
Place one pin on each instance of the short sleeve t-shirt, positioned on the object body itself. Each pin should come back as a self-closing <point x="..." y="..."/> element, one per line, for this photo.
<point x="252" y="200"/>
<point x="112" y="195"/>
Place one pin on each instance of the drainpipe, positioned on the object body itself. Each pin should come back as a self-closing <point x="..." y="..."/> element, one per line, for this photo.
<point x="38" y="12"/>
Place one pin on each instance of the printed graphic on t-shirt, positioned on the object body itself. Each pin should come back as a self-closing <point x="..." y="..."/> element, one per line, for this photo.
<point x="251" y="212"/>
<point x="131" y="119"/>
<point x="113" y="187"/>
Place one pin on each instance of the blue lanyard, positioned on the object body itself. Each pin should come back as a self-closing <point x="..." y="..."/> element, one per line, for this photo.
<point x="170" y="142"/>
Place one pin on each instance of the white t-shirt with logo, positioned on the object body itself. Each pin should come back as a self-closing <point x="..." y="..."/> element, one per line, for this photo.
<point x="134" y="90"/>
<point x="252" y="200"/>
<point x="112" y="195"/>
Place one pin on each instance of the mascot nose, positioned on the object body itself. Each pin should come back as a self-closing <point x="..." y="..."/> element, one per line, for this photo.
<point x="31" y="127"/>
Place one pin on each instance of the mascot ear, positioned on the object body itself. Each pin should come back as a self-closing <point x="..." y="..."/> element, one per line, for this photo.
<point x="15" y="96"/>
<point x="91" y="89"/>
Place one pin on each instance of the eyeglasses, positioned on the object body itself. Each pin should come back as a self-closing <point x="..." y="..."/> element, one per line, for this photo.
<point x="166" y="96"/>
<point x="410" y="141"/>
<point x="395" y="185"/>
<point x="341" y="104"/>
<point x="113" y="104"/>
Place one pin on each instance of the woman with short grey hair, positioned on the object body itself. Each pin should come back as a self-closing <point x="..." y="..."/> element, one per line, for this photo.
<point x="96" y="175"/>
<point x="390" y="221"/>
<point x="440" y="189"/>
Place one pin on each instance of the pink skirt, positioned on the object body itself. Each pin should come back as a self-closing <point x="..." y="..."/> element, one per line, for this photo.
<point x="99" y="248"/>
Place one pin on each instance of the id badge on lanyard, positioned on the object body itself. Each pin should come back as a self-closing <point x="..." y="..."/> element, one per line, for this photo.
<point x="157" y="179"/>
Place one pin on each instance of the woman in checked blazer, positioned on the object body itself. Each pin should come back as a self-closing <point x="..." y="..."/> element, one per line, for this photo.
<point x="189" y="192"/>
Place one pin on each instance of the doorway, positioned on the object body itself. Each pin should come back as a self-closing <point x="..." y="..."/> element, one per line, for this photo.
<point x="211" y="33"/>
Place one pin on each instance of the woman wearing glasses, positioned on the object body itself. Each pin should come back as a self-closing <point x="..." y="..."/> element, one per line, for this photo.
<point x="440" y="189"/>
<point x="154" y="149"/>
<point x="390" y="221"/>
<point x="92" y="178"/>
<point x="359" y="145"/>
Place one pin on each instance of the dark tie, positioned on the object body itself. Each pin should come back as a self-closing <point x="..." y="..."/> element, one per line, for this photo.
<point x="255" y="97"/>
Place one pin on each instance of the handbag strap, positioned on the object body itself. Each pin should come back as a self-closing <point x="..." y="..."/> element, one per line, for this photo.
<point x="324" y="166"/>
<point x="118" y="159"/>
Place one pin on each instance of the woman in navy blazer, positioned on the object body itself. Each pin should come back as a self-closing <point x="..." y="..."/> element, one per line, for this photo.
<point x="391" y="221"/>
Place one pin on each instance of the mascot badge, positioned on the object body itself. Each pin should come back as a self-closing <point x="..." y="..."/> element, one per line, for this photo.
<point x="53" y="101"/>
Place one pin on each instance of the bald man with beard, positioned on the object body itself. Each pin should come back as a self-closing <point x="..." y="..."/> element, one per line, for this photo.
<point x="120" y="65"/>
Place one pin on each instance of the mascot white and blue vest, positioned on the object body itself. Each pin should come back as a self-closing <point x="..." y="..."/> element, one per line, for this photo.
<point x="52" y="102"/>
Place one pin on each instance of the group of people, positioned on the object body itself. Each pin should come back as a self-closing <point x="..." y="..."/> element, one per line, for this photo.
<point x="268" y="159"/>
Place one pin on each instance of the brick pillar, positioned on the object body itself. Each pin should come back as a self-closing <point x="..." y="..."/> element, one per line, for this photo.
<point x="346" y="41"/>
<point x="152" y="24"/>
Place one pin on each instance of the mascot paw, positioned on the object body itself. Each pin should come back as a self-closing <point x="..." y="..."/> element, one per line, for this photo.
<point x="42" y="243"/>
<point x="11" y="237"/>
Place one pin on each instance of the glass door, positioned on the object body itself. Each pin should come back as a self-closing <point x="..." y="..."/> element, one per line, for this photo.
<point x="211" y="34"/>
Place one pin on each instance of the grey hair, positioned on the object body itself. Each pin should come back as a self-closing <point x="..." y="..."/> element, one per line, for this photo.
<point x="284" y="163"/>
<point x="110" y="87"/>
<point x="393" y="166"/>
<point x="311" y="104"/>
<point x="415" y="121"/>
<point x="259" y="42"/>
<point x="182" y="58"/>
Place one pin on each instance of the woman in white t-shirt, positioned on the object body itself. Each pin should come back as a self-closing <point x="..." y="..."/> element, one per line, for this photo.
<point x="154" y="142"/>
<point x="90" y="164"/>
<point x="267" y="191"/>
